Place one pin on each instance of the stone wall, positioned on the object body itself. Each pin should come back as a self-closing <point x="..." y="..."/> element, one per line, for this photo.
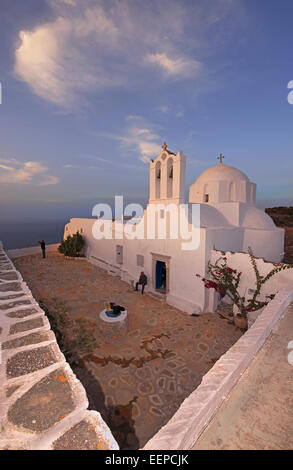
<point x="42" y="404"/>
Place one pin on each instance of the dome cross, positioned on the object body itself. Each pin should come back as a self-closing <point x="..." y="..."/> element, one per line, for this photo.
<point x="221" y="158"/>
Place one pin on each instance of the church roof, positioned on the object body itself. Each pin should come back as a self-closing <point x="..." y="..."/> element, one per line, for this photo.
<point x="222" y="172"/>
<point x="253" y="217"/>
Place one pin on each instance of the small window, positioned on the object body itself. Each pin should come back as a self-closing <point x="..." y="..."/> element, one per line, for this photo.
<point x="119" y="254"/>
<point x="81" y="231"/>
<point x="140" y="260"/>
<point x="206" y="198"/>
<point x="162" y="214"/>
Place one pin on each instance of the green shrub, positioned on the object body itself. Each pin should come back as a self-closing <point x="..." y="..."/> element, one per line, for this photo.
<point x="72" y="246"/>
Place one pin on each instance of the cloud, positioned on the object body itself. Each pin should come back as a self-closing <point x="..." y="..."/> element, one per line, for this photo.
<point x="25" y="173"/>
<point x="4" y="167"/>
<point x="53" y="67"/>
<point x="140" y="140"/>
<point x="97" y="44"/>
<point x="164" y="109"/>
<point x="93" y="45"/>
<point x="99" y="159"/>
<point x="175" y="67"/>
<point x="148" y="150"/>
<point x="48" y="180"/>
<point x="69" y="2"/>
<point x="134" y="117"/>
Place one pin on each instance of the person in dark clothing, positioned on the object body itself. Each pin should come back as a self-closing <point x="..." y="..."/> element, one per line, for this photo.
<point x="142" y="281"/>
<point x="43" y="248"/>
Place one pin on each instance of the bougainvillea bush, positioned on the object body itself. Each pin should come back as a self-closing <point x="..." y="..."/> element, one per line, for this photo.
<point x="226" y="280"/>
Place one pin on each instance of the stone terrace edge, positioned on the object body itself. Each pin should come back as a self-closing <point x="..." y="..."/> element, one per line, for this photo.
<point x="43" y="406"/>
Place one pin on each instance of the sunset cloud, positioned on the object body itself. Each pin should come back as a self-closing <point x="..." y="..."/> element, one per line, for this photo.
<point x="93" y="45"/>
<point x="25" y="173"/>
<point x="179" y="67"/>
<point x="142" y="141"/>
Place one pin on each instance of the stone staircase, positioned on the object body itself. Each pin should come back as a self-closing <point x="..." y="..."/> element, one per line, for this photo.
<point x="157" y="295"/>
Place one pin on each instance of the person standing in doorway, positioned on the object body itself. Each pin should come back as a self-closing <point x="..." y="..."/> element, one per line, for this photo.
<point x="43" y="248"/>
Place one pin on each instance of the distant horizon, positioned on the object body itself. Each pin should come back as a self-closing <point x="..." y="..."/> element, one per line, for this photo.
<point x="70" y="210"/>
<point x="83" y="214"/>
<point x="25" y="232"/>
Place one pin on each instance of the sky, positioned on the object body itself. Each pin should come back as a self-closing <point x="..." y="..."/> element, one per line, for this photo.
<point x="91" y="89"/>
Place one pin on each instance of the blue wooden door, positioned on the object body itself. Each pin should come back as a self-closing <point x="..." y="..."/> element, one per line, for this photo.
<point x="159" y="268"/>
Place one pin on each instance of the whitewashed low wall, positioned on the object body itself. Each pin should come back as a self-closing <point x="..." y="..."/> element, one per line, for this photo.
<point x="195" y="413"/>
<point x="31" y="250"/>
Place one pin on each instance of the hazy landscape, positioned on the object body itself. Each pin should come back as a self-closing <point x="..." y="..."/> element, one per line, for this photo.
<point x="283" y="217"/>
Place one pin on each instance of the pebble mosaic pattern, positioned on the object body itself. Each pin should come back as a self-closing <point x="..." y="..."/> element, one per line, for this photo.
<point x="139" y="380"/>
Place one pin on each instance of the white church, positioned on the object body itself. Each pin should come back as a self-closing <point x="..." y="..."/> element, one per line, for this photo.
<point x="228" y="220"/>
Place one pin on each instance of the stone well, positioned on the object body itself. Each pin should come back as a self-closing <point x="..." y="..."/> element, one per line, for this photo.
<point x="113" y="326"/>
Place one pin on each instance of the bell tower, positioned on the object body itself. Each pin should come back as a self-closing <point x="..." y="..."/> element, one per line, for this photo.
<point x="167" y="177"/>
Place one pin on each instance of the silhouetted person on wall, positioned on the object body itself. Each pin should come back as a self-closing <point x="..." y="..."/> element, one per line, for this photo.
<point x="142" y="281"/>
<point x="43" y="248"/>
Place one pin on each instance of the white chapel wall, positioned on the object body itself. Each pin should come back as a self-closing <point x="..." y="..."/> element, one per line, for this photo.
<point x="185" y="292"/>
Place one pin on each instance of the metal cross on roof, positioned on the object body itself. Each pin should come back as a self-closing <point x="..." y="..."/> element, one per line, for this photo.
<point x="221" y="158"/>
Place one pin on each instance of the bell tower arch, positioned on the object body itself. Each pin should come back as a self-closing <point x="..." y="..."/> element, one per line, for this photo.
<point x="167" y="177"/>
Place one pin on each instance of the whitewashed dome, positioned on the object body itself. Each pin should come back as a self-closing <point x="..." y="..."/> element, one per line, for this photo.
<point x="221" y="172"/>
<point x="222" y="183"/>
<point x="252" y="217"/>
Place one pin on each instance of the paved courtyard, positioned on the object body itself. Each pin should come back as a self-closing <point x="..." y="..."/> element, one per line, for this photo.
<point x="139" y="380"/>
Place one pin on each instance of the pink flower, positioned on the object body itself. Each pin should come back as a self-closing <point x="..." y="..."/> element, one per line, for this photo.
<point x="211" y="285"/>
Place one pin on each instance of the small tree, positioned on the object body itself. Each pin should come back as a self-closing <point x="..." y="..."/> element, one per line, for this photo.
<point x="225" y="281"/>
<point x="72" y="246"/>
